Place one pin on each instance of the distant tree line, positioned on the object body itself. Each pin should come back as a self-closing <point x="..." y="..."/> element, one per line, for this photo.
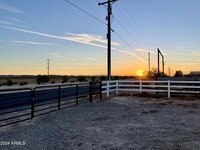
<point x="40" y="79"/>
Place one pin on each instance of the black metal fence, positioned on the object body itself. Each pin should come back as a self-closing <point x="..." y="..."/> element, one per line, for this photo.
<point x="17" y="105"/>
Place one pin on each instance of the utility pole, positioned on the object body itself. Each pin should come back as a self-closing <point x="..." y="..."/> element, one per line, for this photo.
<point x="158" y="63"/>
<point x="163" y="66"/>
<point x="163" y="63"/>
<point x="169" y="71"/>
<point x="48" y="67"/>
<point x="149" y="63"/>
<point x="109" y="9"/>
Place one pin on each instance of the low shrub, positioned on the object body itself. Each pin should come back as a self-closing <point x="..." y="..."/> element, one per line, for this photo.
<point x="9" y="82"/>
<point x="81" y="78"/>
<point x="42" y="79"/>
<point x="65" y="79"/>
<point x="93" y="78"/>
<point x="23" y="83"/>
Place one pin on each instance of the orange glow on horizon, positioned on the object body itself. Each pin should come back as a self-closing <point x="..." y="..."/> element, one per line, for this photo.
<point x="140" y="73"/>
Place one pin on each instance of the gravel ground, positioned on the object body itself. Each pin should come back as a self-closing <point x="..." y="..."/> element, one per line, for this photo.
<point x="122" y="122"/>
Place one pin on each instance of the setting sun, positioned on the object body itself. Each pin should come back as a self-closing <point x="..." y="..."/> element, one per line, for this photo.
<point x="140" y="73"/>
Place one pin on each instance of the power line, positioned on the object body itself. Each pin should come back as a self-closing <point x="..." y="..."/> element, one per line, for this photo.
<point x="101" y="22"/>
<point x="95" y="66"/>
<point x="142" y="32"/>
<point x="128" y="32"/>
<point x="130" y="35"/>
<point x="85" y="12"/>
<point x="84" y="61"/>
<point x="145" y="41"/>
<point x="128" y="44"/>
<point x="132" y="38"/>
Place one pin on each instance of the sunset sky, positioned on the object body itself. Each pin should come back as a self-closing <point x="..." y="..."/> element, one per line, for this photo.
<point x="32" y="31"/>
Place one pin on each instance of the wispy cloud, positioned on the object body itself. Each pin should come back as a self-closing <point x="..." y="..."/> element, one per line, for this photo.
<point x="196" y="52"/>
<point x="192" y="63"/>
<point x="144" y="50"/>
<point x="192" y="54"/>
<point x="72" y="39"/>
<point x="89" y="38"/>
<point x="5" y="22"/>
<point x="196" y="55"/>
<point x="13" y="19"/>
<point x="53" y="36"/>
<point x="55" y="54"/>
<point x="183" y="55"/>
<point x="83" y="42"/>
<point x="130" y="53"/>
<point x="89" y="58"/>
<point x="73" y="59"/>
<point x="5" y="7"/>
<point x="9" y="23"/>
<point x="34" y="43"/>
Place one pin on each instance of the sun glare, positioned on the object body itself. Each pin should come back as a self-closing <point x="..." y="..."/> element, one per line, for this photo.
<point x="140" y="73"/>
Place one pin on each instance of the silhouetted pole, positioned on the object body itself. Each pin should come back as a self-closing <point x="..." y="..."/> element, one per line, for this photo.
<point x="158" y="63"/>
<point x="163" y="66"/>
<point x="149" y="63"/>
<point x="48" y="67"/>
<point x="163" y="63"/>
<point x="109" y="34"/>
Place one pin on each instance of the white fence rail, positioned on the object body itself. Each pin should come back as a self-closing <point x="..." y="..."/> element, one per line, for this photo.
<point x="140" y="86"/>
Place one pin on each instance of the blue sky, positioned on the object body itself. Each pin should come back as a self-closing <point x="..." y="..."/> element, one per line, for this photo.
<point x="33" y="31"/>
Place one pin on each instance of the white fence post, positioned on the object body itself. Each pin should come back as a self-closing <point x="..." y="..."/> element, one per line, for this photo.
<point x="168" y="89"/>
<point x="117" y="87"/>
<point x="140" y="86"/>
<point x="108" y="88"/>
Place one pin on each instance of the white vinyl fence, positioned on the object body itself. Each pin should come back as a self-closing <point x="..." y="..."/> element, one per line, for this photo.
<point x="140" y="86"/>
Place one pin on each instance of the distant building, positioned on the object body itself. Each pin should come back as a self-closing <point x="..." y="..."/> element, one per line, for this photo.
<point x="195" y="73"/>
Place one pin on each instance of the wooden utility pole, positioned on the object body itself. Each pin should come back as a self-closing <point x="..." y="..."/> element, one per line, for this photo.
<point x="108" y="4"/>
